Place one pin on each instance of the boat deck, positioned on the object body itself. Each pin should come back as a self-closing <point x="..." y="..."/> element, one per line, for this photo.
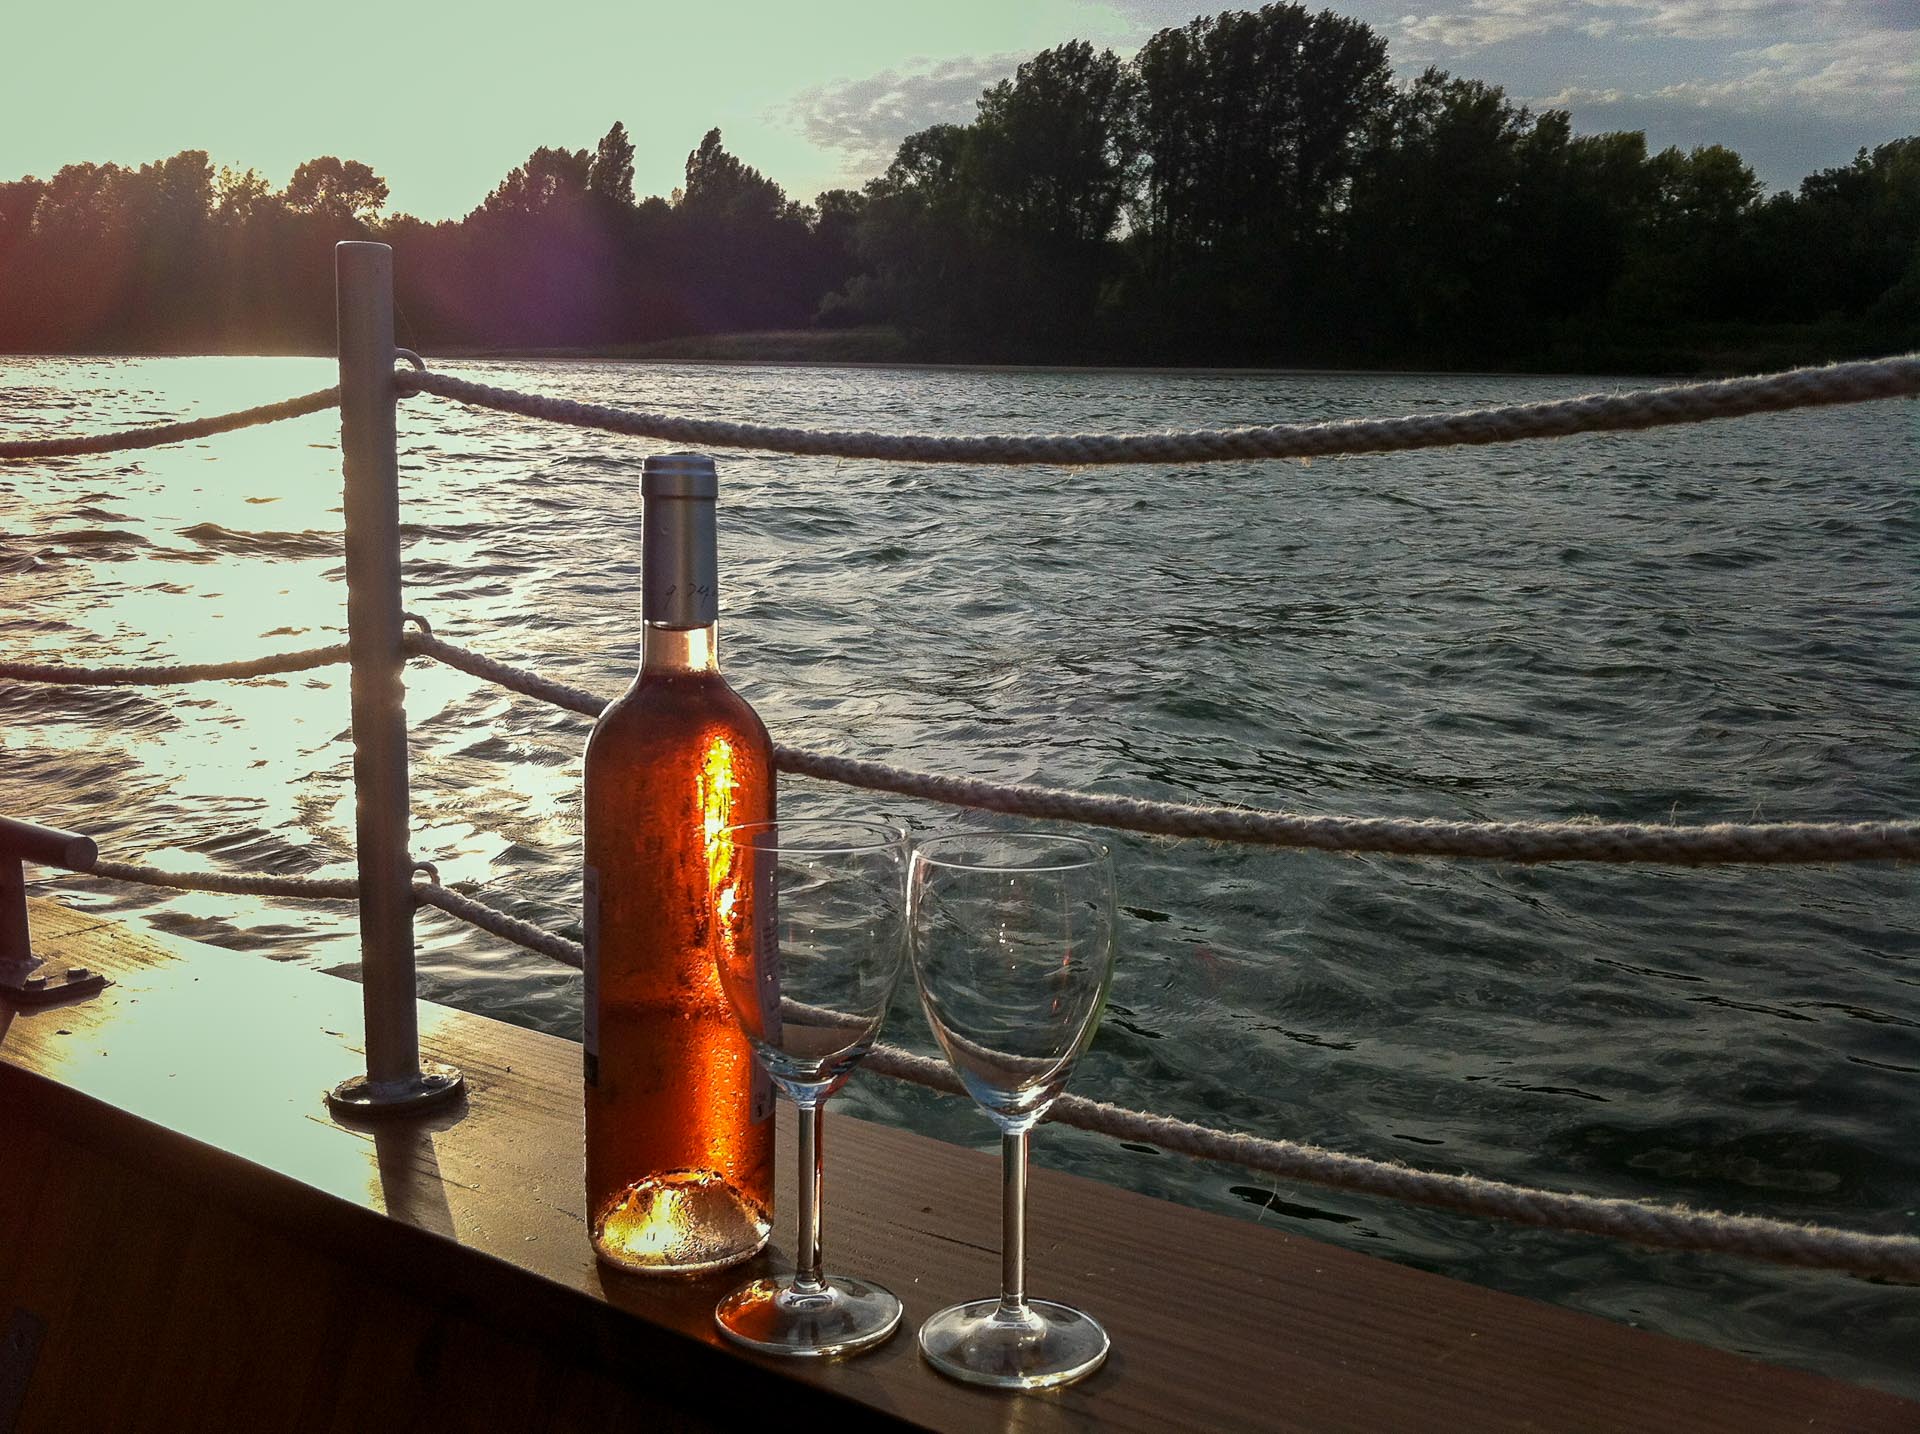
<point x="188" y="1240"/>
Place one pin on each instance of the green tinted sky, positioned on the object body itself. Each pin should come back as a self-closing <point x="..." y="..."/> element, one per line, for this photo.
<point x="442" y="99"/>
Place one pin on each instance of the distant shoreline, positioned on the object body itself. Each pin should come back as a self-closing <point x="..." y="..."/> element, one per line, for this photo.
<point x="889" y="349"/>
<point x="930" y="366"/>
<point x="1691" y="354"/>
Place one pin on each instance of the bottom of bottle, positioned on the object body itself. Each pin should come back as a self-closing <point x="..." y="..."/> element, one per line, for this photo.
<point x="684" y="1222"/>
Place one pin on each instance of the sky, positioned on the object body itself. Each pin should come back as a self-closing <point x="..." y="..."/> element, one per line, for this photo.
<point x="443" y="98"/>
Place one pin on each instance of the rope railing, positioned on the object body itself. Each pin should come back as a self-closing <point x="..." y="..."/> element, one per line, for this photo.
<point x="1594" y="413"/>
<point x="244" y="883"/>
<point x="1771" y="843"/>
<point x="1720" y="843"/>
<point x="182" y="432"/>
<point x="497" y="922"/>
<point x="1640" y="1222"/>
<point x="1856" y="382"/>
<point x="423" y="643"/>
<point x="1648" y="1223"/>
<point x="164" y="674"/>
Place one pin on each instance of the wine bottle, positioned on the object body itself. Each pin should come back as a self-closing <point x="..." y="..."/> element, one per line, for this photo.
<point x="679" y="1124"/>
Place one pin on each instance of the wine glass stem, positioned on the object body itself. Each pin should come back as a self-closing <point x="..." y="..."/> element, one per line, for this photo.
<point x="1013" y="1222"/>
<point x="806" y="1274"/>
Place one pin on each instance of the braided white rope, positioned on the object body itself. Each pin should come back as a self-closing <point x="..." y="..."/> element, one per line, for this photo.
<point x="1646" y="408"/>
<point x="1768" y="843"/>
<point x="515" y="679"/>
<point x="309" y="888"/>
<point x="1642" y="1222"/>
<point x="171" y="432"/>
<point x="160" y="675"/>
<point x="492" y="919"/>
<point x="345" y="888"/>
<point x="1774" y="843"/>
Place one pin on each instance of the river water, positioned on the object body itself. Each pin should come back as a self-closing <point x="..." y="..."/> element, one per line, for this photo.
<point x="1715" y="623"/>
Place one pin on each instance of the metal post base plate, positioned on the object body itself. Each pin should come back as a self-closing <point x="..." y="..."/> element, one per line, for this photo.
<point x="44" y="990"/>
<point x="368" y="1099"/>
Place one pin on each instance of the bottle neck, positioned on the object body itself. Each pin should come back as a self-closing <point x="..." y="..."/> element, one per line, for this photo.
<point x="679" y="564"/>
<point x="668" y="651"/>
<point x="679" y="584"/>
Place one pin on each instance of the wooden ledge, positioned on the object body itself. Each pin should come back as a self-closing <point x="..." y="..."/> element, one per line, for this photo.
<point x="187" y="1239"/>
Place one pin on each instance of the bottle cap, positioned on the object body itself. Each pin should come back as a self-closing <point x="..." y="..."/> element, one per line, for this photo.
<point x="679" y="475"/>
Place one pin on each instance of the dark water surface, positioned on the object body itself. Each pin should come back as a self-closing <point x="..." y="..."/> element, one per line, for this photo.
<point x="1717" y="623"/>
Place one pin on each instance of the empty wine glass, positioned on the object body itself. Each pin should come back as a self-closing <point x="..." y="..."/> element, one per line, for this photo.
<point x="1012" y="940"/>
<point x="809" y="939"/>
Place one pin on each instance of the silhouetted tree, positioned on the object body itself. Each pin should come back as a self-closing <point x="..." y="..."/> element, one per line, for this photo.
<point x="1049" y="167"/>
<point x="737" y="238"/>
<point x="1692" y="259"/>
<point x="1252" y="126"/>
<point x="550" y="180"/>
<point x="336" y="188"/>
<point x="611" y="174"/>
<point x="1251" y="186"/>
<point x="720" y="186"/>
<point x="1863" y="221"/>
<point x="1437" y="229"/>
<point x="541" y="254"/>
<point x="916" y="242"/>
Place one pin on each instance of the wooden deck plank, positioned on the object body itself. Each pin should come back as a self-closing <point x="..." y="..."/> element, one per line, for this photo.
<point x="1216" y="1323"/>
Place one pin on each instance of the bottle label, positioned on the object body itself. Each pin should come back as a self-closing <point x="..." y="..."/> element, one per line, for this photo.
<point x="590" y="995"/>
<point x="762" y="1105"/>
<point x="766" y="939"/>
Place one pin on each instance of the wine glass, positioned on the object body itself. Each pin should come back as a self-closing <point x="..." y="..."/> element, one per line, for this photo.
<point x="809" y="940"/>
<point x="1012" y="939"/>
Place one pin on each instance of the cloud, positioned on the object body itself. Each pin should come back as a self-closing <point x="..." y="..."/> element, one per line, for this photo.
<point x="1575" y="97"/>
<point x="1870" y="76"/>
<point x="865" y="119"/>
<point x="1876" y="73"/>
<point x="1788" y="109"/>
<point x="1721" y="19"/>
<point x="1491" y="22"/>
<point x="1781" y="148"/>
<point x="1480" y="24"/>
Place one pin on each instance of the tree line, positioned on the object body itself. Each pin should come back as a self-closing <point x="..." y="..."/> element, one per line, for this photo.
<point x="1250" y="187"/>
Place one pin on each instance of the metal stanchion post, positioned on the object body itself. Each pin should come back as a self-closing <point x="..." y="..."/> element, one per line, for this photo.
<point x="396" y="1078"/>
<point x="20" y="983"/>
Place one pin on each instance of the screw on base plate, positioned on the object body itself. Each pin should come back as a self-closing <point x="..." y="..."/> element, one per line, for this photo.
<point x="40" y="989"/>
<point x="364" y="1098"/>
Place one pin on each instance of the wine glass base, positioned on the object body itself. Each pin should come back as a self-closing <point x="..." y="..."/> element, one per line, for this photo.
<point x="844" y="1316"/>
<point x="1041" y="1346"/>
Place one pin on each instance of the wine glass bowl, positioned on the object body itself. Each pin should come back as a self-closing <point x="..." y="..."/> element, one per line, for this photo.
<point x="1013" y="938"/>
<point x="808" y="938"/>
<point x="1012" y="942"/>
